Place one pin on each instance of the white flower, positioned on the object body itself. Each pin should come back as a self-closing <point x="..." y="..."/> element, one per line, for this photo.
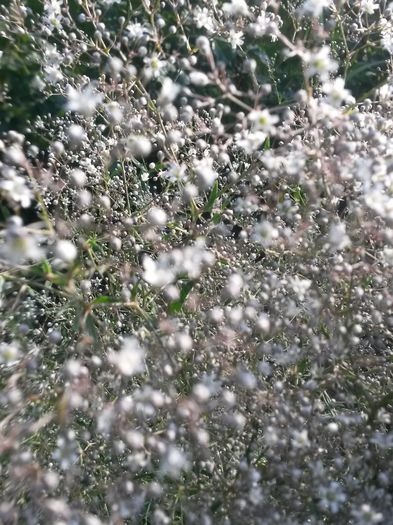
<point x="387" y="255"/>
<point x="203" y="44"/>
<point x="53" y="7"/>
<point x="178" y="262"/>
<point x="262" y="121"/>
<point x="251" y="141"/>
<point x="198" y="78"/>
<point x="246" y="205"/>
<point x="66" y="251"/>
<point x="386" y="91"/>
<point x="53" y="14"/>
<point x="76" y="134"/>
<point x="154" y="67"/>
<point x="236" y="38"/>
<point x="332" y="497"/>
<point x="338" y="238"/>
<point x="114" y="112"/>
<point x="387" y="37"/>
<point x="319" y="63"/>
<point x="21" y="244"/>
<point x="16" y="189"/>
<point x="300" y="286"/>
<point x="205" y="172"/>
<point x="157" y="216"/>
<point x="263" y="24"/>
<point x="314" y="7"/>
<point x="67" y="451"/>
<point x="378" y="192"/>
<point x="78" y="177"/>
<point x="264" y="233"/>
<point x="300" y="439"/>
<point x="14" y="154"/>
<point x="84" y="101"/>
<point x="236" y="8"/>
<point x="53" y="74"/>
<point x="130" y="359"/>
<point x="9" y="353"/>
<point x="202" y="18"/>
<point x="173" y="462"/>
<point x="366" y="515"/>
<point x="175" y="172"/>
<point x="158" y="273"/>
<point x="136" y="30"/>
<point x="336" y="92"/>
<point x="262" y="323"/>
<point x="168" y="93"/>
<point x="368" y="6"/>
<point x="234" y="286"/>
<point x="138" y="146"/>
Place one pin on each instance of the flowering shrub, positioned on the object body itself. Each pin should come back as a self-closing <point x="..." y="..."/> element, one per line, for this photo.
<point x="196" y="262"/>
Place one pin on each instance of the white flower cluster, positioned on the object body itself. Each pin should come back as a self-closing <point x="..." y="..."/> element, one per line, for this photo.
<point x="185" y="262"/>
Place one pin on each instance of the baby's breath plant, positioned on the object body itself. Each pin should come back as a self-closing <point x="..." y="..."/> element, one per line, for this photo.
<point x="196" y="262"/>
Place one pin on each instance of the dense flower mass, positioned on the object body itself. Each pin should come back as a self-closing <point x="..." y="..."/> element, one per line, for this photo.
<point x="196" y="262"/>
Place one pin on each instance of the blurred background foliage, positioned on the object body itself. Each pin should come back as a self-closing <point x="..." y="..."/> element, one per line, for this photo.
<point x="363" y="62"/>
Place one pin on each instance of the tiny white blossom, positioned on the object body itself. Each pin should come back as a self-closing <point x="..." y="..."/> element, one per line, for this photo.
<point x="83" y="101"/>
<point x="236" y="8"/>
<point x="198" y="78"/>
<point x="76" y="134"/>
<point x="387" y="37"/>
<point x="336" y="93"/>
<point x="234" y="286"/>
<point x="264" y="233"/>
<point x="157" y="216"/>
<point x="387" y="255"/>
<point x="20" y="243"/>
<point x="9" y="353"/>
<point x="130" y="359"/>
<point x="366" y="515"/>
<point x="300" y="286"/>
<point x="262" y="121"/>
<point x="205" y="172"/>
<point x="173" y="462"/>
<point x="154" y="67"/>
<point x="251" y="141"/>
<point x="16" y="189"/>
<point x="136" y="30"/>
<point x="314" y="7"/>
<point x="319" y="63"/>
<point x="332" y="497"/>
<point x="236" y="38"/>
<point x="175" y="172"/>
<point x="78" y="177"/>
<point x="158" y="273"/>
<point x="368" y="6"/>
<point x="300" y="439"/>
<point x="203" y="19"/>
<point x="138" y="146"/>
<point x="66" y="251"/>
<point x="168" y="93"/>
<point x="338" y="238"/>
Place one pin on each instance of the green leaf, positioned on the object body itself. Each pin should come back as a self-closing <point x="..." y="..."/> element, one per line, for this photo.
<point x="46" y="267"/>
<point x="298" y="195"/>
<point x="176" y="306"/>
<point x="212" y="197"/>
<point x="104" y="299"/>
<point x="91" y="326"/>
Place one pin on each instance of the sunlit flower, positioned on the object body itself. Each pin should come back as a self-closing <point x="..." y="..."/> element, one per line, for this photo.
<point x="130" y="359"/>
